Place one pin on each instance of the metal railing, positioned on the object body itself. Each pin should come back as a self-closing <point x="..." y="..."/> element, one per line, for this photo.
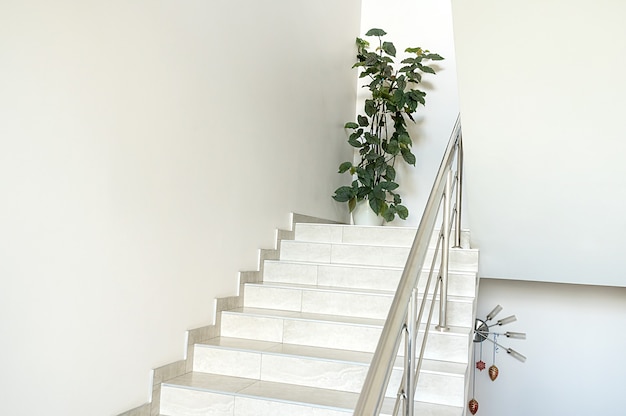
<point x="404" y="317"/>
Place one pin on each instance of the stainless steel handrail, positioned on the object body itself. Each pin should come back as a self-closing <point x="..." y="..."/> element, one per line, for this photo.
<point x="373" y="392"/>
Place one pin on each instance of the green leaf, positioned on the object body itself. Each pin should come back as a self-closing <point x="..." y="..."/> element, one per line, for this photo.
<point x="343" y="194"/>
<point x="371" y="59"/>
<point x="371" y="156"/>
<point x="351" y="125"/>
<point x="345" y="166"/>
<point x="375" y="204"/>
<point x="398" y="98"/>
<point x="363" y="121"/>
<point x="403" y="212"/>
<point x="404" y="138"/>
<point x="408" y="156"/>
<point x="354" y="142"/>
<point x="389" y="48"/>
<point x="370" y="107"/>
<point x="362" y="43"/>
<point x="418" y="51"/>
<point x="379" y="192"/>
<point x="372" y="138"/>
<point x="390" y="174"/>
<point x="434" y="57"/>
<point x="389" y="213"/>
<point x="392" y="147"/>
<point x="401" y="81"/>
<point x="426" y="68"/>
<point x="389" y="186"/>
<point x="352" y="204"/>
<point x="375" y="32"/>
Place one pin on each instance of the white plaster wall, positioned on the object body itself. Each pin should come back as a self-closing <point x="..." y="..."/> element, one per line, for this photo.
<point x="147" y="151"/>
<point x="574" y="348"/>
<point x="427" y="24"/>
<point x="542" y="96"/>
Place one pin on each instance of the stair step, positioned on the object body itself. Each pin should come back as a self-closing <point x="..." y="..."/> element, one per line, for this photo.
<point x="439" y="382"/>
<point x="305" y="336"/>
<point x="358" y="277"/>
<point x="196" y="394"/>
<point x="371" y="255"/>
<point x="341" y="301"/>
<point x="381" y="236"/>
<point x="333" y="331"/>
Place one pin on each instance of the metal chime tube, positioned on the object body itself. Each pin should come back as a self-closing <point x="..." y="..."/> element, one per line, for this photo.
<point x="409" y="355"/>
<point x="445" y="255"/>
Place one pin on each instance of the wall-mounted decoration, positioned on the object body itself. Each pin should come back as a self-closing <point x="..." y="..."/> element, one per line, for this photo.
<point x="482" y="333"/>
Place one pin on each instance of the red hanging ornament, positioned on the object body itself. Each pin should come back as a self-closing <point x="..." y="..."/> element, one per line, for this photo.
<point x="480" y="365"/>
<point x="493" y="372"/>
<point x="473" y="406"/>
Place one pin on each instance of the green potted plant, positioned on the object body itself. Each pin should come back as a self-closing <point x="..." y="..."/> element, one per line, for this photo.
<point x="380" y="134"/>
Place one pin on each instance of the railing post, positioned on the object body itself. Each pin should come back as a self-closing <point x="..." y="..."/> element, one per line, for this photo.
<point x="409" y="355"/>
<point x="445" y="255"/>
<point x="459" y="191"/>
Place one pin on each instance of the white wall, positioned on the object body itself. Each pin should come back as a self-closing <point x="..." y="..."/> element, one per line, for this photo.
<point x="542" y="96"/>
<point x="574" y="347"/>
<point x="147" y="151"/>
<point x="427" y="24"/>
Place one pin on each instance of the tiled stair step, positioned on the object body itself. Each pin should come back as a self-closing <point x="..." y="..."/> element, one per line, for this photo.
<point x="390" y="256"/>
<point x="332" y="331"/>
<point x="358" y="277"/>
<point x="340" y="301"/>
<point x="196" y="394"/>
<point x="439" y="382"/>
<point x="381" y="236"/>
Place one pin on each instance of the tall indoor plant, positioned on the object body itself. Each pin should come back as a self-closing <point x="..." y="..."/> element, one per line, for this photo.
<point x="380" y="134"/>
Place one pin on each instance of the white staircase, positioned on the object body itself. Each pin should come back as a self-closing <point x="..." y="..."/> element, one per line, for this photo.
<point x="302" y="342"/>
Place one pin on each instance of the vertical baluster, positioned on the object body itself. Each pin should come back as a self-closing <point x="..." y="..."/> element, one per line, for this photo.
<point x="445" y="255"/>
<point x="409" y="355"/>
<point x="459" y="191"/>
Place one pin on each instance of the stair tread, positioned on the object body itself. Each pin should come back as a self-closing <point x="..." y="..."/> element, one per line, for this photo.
<point x="339" y="243"/>
<point x="346" y="290"/>
<point x="339" y="319"/>
<point x="283" y="392"/>
<point x="277" y="313"/>
<point x="330" y="354"/>
<point x="322" y="288"/>
<point x="321" y="353"/>
<point x="289" y="393"/>
<point x="357" y="266"/>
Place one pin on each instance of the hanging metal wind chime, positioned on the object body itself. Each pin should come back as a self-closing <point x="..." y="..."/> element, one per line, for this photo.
<point x="482" y="333"/>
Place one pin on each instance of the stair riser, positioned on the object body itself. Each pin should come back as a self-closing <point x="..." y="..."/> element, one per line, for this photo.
<point x="341" y="303"/>
<point x="441" y="346"/>
<point x="336" y="375"/>
<point x="382" y="236"/>
<point x="368" y="278"/>
<point x="186" y="402"/>
<point x="460" y="260"/>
